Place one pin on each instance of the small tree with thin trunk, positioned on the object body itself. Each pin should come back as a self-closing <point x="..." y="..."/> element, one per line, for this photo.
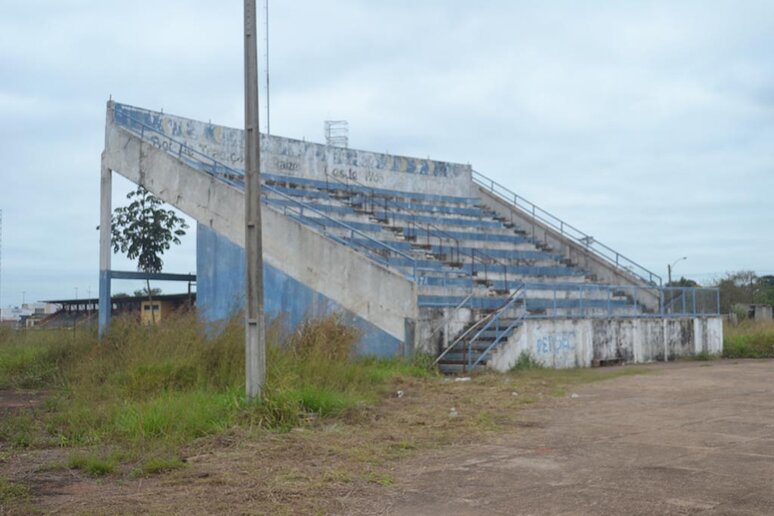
<point x="143" y="230"/>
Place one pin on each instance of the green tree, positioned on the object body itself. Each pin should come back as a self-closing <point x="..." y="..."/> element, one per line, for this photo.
<point x="144" y="230"/>
<point x="738" y="287"/>
<point x="683" y="282"/>
<point x="144" y="292"/>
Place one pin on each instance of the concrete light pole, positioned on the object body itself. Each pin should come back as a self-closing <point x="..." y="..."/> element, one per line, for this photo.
<point x="255" y="337"/>
<point x="671" y="266"/>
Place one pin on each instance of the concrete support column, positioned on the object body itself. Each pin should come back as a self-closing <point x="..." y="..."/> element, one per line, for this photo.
<point x="105" y="216"/>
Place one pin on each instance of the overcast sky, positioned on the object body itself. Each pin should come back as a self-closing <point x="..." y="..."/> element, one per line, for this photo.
<point x="649" y="125"/>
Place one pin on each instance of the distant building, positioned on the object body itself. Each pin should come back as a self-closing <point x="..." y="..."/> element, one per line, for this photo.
<point x="71" y="312"/>
<point x="758" y="312"/>
<point x="26" y="315"/>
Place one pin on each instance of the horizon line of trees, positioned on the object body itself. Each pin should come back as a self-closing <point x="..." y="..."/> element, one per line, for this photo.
<point x="738" y="287"/>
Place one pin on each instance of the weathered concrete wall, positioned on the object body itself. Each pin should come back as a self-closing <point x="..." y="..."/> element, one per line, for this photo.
<point x="285" y="156"/>
<point x="589" y="261"/>
<point x="438" y="327"/>
<point x="563" y="343"/>
<point x="365" y="288"/>
<point x="220" y="285"/>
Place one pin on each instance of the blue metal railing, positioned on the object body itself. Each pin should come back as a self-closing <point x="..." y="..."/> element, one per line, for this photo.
<point x="235" y="177"/>
<point x="411" y="231"/>
<point x="674" y="302"/>
<point x="494" y="324"/>
<point x="584" y="300"/>
<point x="611" y="256"/>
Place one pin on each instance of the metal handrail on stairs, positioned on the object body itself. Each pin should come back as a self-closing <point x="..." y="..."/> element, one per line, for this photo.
<point x="231" y="175"/>
<point x="474" y="252"/>
<point x="519" y="293"/>
<point x="500" y="336"/>
<point x="566" y="230"/>
<point x="508" y="303"/>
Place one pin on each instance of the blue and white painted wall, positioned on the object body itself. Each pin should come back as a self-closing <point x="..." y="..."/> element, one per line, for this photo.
<point x="220" y="289"/>
<point x="307" y="274"/>
<point x="289" y="157"/>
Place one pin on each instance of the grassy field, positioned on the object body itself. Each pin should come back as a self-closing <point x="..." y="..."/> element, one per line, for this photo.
<point x="749" y="339"/>
<point x="155" y="400"/>
<point x="146" y="387"/>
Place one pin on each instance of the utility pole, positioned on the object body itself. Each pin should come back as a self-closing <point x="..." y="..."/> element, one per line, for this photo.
<point x="670" y="267"/>
<point x="255" y="336"/>
<point x="266" y="22"/>
<point x="1" y="263"/>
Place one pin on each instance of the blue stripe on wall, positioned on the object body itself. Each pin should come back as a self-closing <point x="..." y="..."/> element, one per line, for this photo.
<point x="220" y="271"/>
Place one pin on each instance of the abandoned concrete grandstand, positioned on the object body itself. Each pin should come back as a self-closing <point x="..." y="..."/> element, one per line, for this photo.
<point x="419" y="254"/>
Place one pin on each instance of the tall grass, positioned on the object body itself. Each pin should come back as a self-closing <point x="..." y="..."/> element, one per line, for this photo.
<point x="30" y="360"/>
<point x="170" y="383"/>
<point x="749" y="339"/>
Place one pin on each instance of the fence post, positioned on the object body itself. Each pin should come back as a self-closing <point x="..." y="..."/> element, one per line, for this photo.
<point x="662" y="308"/>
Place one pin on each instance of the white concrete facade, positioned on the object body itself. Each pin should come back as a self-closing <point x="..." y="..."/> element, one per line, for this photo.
<point x="564" y="343"/>
<point x="289" y="157"/>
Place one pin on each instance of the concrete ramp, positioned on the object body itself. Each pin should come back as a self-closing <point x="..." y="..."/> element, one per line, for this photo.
<point x="322" y="271"/>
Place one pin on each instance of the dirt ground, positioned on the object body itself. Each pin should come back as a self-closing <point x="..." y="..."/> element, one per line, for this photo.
<point x="696" y="439"/>
<point x="688" y="438"/>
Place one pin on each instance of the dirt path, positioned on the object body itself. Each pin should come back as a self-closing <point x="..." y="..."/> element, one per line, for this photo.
<point x="694" y="438"/>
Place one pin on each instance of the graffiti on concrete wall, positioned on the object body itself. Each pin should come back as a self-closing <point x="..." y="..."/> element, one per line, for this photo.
<point x="285" y="156"/>
<point x="559" y="343"/>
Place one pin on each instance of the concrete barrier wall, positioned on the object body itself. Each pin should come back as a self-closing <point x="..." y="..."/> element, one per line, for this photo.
<point x="285" y="156"/>
<point x="358" y="285"/>
<point x="563" y="343"/>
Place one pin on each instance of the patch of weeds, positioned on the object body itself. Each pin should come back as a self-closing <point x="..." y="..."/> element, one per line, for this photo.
<point x="485" y="420"/>
<point x="337" y="476"/>
<point x="383" y="479"/>
<point x="92" y="465"/>
<point x="526" y="362"/>
<point x="19" y="430"/>
<point x="54" y="466"/>
<point x="12" y="492"/>
<point x="158" y="465"/>
<point x="175" y="417"/>
<point x="404" y="445"/>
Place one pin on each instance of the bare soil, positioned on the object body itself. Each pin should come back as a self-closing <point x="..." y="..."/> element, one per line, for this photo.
<point x="689" y="438"/>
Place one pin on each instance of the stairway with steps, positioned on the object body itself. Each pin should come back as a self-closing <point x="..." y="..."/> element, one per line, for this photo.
<point x="465" y="258"/>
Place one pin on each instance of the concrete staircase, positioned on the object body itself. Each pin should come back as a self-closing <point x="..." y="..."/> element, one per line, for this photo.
<point x="460" y="254"/>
